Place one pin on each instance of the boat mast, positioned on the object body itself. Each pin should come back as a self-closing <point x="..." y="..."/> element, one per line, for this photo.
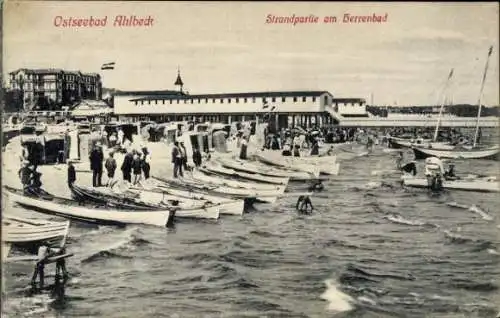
<point x="442" y="105"/>
<point x="481" y="95"/>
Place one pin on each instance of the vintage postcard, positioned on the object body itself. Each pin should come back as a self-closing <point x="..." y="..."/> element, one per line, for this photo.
<point x="250" y="159"/>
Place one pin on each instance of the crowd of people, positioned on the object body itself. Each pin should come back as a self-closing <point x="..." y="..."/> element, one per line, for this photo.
<point x="135" y="167"/>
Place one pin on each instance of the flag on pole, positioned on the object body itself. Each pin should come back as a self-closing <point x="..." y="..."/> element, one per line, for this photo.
<point x="108" y="66"/>
<point x="451" y="73"/>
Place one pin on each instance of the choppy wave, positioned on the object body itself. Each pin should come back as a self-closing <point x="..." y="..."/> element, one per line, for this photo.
<point x="337" y="300"/>
<point x="401" y="220"/>
<point x="472" y="208"/>
<point x="361" y="272"/>
<point x="128" y="240"/>
<point x="483" y="214"/>
<point x="103" y="255"/>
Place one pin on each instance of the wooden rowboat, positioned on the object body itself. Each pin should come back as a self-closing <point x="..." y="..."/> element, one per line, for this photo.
<point x="29" y="234"/>
<point x="248" y="195"/>
<point x="469" y="184"/>
<point x="256" y="167"/>
<point x="243" y="176"/>
<point x="486" y="153"/>
<point x="71" y="209"/>
<point x="103" y="195"/>
<point x="157" y="192"/>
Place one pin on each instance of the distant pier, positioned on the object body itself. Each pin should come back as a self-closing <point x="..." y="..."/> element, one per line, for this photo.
<point x="414" y="121"/>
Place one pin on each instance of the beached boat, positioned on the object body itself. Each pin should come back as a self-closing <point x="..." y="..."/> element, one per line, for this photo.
<point x="158" y="193"/>
<point x="107" y="197"/>
<point x="133" y="201"/>
<point x="242" y="176"/>
<point x="274" y="189"/>
<point x="29" y="234"/>
<point x="73" y="210"/>
<point x="277" y="162"/>
<point x="457" y="153"/>
<point x="313" y="164"/>
<point x="218" y="179"/>
<point x="248" y="195"/>
<point x="486" y="184"/>
<point x="257" y="167"/>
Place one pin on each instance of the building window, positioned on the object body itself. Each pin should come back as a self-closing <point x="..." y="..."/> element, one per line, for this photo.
<point x="192" y="101"/>
<point x="304" y="99"/>
<point x="222" y="100"/>
<point x="163" y="101"/>
<point x="149" y="102"/>
<point x="264" y="101"/>
<point x="156" y="102"/>
<point x="170" y="102"/>
<point x="142" y="102"/>
<point x="198" y="100"/>
<point x="206" y="100"/>
<point x="178" y="101"/>
<point x="314" y="99"/>
<point x="245" y="99"/>
<point x="283" y="99"/>
<point x="326" y="100"/>
<point x="273" y="99"/>
<point x="213" y="100"/>
<point x="135" y="102"/>
<point x="237" y="100"/>
<point x="229" y="100"/>
<point x="253" y="99"/>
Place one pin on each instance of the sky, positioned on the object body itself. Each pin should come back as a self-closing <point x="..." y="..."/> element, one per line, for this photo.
<point x="228" y="47"/>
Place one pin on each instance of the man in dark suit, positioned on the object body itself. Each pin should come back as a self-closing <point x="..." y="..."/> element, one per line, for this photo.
<point x="96" y="159"/>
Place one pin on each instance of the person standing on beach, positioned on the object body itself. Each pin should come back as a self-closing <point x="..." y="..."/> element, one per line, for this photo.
<point x="243" y="148"/>
<point x="177" y="160"/>
<point x="184" y="159"/>
<point x="137" y="167"/>
<point x="25" y="174"/>
<point x="71" y="173"/>
<point x="110" y="168"/>
<point x="146" y="162"/>
<point x="96" y="159"/>
<point x="197" y="157"/>
<point x="127" y="166"/>
<point x="119" y="140"/>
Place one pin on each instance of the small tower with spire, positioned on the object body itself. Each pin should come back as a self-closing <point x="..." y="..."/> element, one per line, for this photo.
<point x="178" y="81"/>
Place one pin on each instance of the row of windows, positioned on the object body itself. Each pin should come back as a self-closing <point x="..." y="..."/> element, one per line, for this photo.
<point x="228" y="100"/>
<point x="47" y="77"/>
<point x="221" y="100"/>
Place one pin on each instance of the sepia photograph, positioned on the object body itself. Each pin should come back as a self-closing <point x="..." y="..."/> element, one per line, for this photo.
<point x="250" y="159"/>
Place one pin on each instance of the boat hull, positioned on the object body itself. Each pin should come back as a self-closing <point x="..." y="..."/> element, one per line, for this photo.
<point x="227" y="206"/>
<point x="489" y="153"/>
<point x="71" y="210"/>
<point x="476" y="185"/>
<point x="266" y="170"/>
<point x="243" y="176"/>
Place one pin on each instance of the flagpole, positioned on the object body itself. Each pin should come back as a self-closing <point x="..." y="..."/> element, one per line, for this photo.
<point x="481" y="95"/>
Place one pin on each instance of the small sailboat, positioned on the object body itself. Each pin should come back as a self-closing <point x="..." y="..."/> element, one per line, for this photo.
<point x="464" y="152"/>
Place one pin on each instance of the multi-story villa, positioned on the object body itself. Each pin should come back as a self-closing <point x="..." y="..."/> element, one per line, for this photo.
<point x="48" y="89"/>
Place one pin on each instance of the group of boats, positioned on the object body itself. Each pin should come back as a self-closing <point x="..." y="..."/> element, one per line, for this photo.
<point x="222" y="186"/>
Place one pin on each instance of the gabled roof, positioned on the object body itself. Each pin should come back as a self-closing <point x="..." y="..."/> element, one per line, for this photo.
<point x="270" y="94"/>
